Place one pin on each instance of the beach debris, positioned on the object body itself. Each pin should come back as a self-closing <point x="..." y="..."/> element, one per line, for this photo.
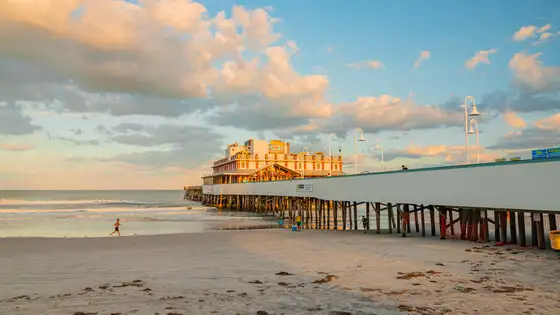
<point x="261" y="312"/>
<point x="117" y="313"/>
<point x="284" y="284"/>
<point x="21" y="297"/>
<point x="465" y="289"/>
<point x="326" y="279"/>
<point x="174" y="313"/>
<point x="418" y="309"/>
<point x="340" y="313"/>
<point x="85" y="313"/>
<point x="86" y="290"/>
<point x="104" y="287"/>
<point x="146" y="290"/>
<point x="256" y="282"/>
<point x="482" y="279"/>
<point x="370" y="290"/>
<point x="243" y="294"/>
<point x="134" y="283"/>
<point x="178" y="297"/>
<point x="284" y="273"/>
<point x="230" y="291"/>
<point x="439" y="264"/>
<point x="396" y="292"/>
<point x="508" y="289"/>
<point x="314" y="309"/>
<point x="410" y="275"/>
<point x="322" y="273"/>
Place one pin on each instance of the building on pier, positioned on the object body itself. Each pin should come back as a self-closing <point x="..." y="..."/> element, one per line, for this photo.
<point x="259" y="160"/>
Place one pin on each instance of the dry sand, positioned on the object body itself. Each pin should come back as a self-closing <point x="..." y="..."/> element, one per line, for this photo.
<point x="235" y="272"/>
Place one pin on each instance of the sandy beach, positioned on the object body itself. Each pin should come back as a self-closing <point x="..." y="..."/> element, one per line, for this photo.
<point x="273" y="272"/>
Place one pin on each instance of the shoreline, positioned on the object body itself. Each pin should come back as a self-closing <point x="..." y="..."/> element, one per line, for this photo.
<point x="273" y="271"/>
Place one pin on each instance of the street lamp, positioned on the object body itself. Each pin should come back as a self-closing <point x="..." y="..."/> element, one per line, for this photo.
<point x="474" y="112"/>
<point x="357" y="131"/>
<point x="379" y="147"/>
<point x="304" y="151"/>
<point x="331" y="137"/>
<point x="475" y="132"/>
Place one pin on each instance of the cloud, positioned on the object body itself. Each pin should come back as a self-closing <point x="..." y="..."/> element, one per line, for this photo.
<point x="14" y="122"/>
<point x="449" y="154"/>
<point x="15" y="147"/>
<point x="372" y="64"/>
<point x="527" y="139"/>
<point x="480" y="57"/>
<point x="511" y="118"/>
<point x="164" y="57"/>
<point x="550" y="123"/>
<point x="386" y="112"/>
<point x="179" y="146"/>
<point x="523" y="101"/>
<point x="529" y="31"/>
<point x="424" y="55"/>
<point x="531" y="75"/>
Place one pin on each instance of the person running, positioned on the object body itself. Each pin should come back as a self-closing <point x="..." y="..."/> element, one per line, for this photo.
<point x="117" y="224"/>
<point x="365" y="224"/>
<point x="298" y="222"/>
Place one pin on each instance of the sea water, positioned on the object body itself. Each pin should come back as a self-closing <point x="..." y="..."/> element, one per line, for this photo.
<point x="93" y="213"/>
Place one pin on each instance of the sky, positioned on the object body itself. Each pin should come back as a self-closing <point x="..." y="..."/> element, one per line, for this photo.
<point x="145" y="94"/>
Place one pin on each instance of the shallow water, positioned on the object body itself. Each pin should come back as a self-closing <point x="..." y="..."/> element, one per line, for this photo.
<point x="92" y="214"/>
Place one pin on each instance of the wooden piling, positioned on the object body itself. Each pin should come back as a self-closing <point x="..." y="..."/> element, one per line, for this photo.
<point x="423" y="220"/>
<point x="378" y="217"/>
<point x="390" y="216"/>
<point x="512" y="227"/>
<point x="432" y="220"/>
<point x="367" y="216"/>
<point x="521" y="226"/>
<point x="355" y="216"/>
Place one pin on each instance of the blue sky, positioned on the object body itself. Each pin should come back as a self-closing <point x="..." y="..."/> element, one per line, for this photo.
<point x="146" y="96"/>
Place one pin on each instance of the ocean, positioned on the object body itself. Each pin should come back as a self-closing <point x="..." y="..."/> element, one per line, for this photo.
<point x="32" y="213"/>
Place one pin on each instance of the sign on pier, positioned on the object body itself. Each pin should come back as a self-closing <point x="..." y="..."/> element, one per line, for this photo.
<point x="304" y="187"/>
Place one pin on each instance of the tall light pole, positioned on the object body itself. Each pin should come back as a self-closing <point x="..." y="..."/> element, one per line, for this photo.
<point x="304" y="151"/>
<point x="379" y="147"/>
<point x="357" y="131"/>
<point x="474" y="112"/>
<point x="475" y="132"/>
<point x="331" y="137"/>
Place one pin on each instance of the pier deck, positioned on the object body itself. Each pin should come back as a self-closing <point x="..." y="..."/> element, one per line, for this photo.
<point x="467" y="195"/>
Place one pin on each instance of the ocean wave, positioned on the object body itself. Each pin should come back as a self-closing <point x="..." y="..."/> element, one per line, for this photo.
<point x="86" y="204"/>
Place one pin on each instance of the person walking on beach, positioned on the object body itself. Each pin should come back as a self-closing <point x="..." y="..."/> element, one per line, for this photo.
<point x="298" y="222"/>
<point x="365" y="224"/>
<point x="117" y="224"/>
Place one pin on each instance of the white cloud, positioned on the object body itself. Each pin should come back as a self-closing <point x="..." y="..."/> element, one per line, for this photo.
<point x="372" y="64"/>
<point x="424" y="55"/>
<point x="542" y="33"/>
<point x="116" y="55"/>
<point x="531" y="74"/>
<point x="480" y="57"/>
<point x="513" y="120"/>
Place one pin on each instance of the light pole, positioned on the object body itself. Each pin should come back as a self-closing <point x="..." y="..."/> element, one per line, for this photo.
<point x="379" y="147"/>
<point x="357" y="131"/>
<point x="304" y="151"/>
<point x="331" y="137"/>
<point x="474" y="112"/>
<point x="475" y="132"/>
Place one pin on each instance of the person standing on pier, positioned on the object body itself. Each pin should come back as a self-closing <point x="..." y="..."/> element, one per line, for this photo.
<point x="298" y="222"/>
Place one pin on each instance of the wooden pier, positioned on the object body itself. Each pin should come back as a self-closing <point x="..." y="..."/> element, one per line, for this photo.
<point x="193" y="193"/>
<point x="487" y="213"/>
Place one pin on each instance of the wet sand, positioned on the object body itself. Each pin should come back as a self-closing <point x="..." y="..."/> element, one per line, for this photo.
<point x="273" y="272"/>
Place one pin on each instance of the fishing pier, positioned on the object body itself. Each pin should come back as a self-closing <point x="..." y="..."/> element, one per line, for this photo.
<point x="481" y="202"/>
